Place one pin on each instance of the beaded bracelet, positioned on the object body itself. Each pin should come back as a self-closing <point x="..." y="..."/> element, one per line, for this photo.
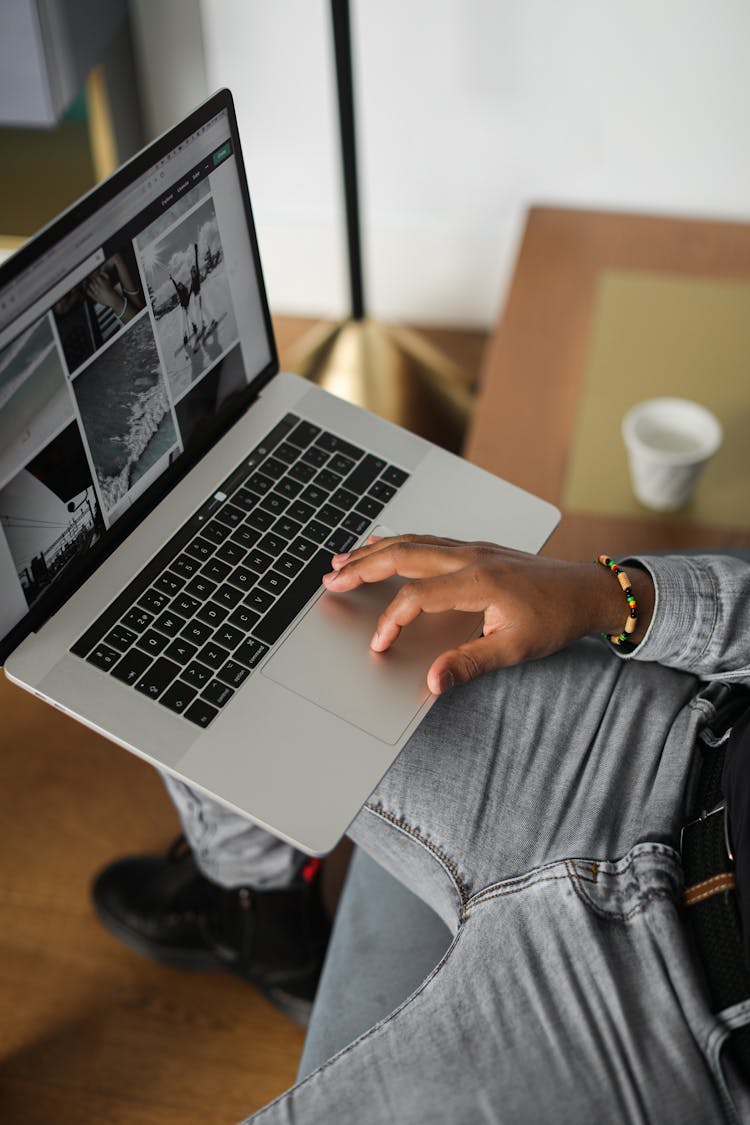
<point x="632" y="621"/>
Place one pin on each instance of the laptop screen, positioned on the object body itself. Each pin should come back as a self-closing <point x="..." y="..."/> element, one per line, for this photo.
<point x="133" y="331"/>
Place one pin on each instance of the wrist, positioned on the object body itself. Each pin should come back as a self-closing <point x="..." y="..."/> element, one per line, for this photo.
<point x="612" y="607"/>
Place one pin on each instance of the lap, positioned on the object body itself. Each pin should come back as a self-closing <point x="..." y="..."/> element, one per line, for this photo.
<point x="554" y="1003"/>
<point x="578" y="754"/>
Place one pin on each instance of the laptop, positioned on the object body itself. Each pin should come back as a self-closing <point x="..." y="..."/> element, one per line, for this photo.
<point x="170" y="500"/>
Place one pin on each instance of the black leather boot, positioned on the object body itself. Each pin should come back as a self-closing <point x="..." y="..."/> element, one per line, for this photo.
<point x="164" y="908"/>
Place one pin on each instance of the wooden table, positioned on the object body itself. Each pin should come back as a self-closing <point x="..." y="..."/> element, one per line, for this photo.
<point x="535" y="361"/>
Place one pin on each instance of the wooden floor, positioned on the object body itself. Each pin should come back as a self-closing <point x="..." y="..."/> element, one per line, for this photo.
<point x="90" y="1032"/>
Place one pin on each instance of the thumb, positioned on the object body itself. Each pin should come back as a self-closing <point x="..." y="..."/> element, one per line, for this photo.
<point x="462" y="664"/>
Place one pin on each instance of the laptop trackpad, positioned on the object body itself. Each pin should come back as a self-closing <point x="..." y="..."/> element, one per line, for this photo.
<point x="327" y="659"/>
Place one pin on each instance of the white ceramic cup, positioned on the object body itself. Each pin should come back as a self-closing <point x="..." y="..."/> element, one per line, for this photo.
<point x="669" y="441"/>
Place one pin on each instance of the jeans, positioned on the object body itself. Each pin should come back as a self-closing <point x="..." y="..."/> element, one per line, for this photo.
<point x="537" y="810"/>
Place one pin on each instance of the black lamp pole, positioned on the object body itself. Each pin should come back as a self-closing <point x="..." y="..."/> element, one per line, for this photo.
<point x="342" y="43"/>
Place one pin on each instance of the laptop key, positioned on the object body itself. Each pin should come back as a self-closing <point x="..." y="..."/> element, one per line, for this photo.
<point x="152" y="642"/>
<point x="178" y="697"/>
<point x="395" y="476"/>
<point x="185" y="565"/>
<point x="251" y="652"/>
<point x="290" y="487"/>
<point x="340" y="540"/>
<point x="317" y="531"/>
<point x="273" y="582"/>
<point x="230" y="515"/>
<point x="303" y="471"/>
<point x="216" y="570"/>
<point x="297" y="594"/>
<point x="369" y="507"/>
<point x="288" y="565"/>
<point x="303" y="548"/>
<point x="217" y="693"/>
<point x="259" y="519"/>
<point x="343" y="498"/>
<point x="228" y="596"/>
<point x="243" y="618"/>
<point x="216" y="532"/>
<point x="169" y="583"/>
<point x="233" y="674"/>
<point x="315" y="457"/>
<point x="180" y="650"/>
<point x="300" y="511"/>
<point x="368" y="470"/>
<point x="228" y="637"/>
<point x="243" y="578"/>
<point x="201" y="713"/>
<point x="259" y="600"/>
<point x="258" y="560"/>
<point x="231" y="553"/>
<point x="120" y="638"/>
<point x="332" y="443"/>
<point x="382" y="491"/>
<point x="169" y="623"/>
<point x="304" y="434"/>
<point x="131" y="667"/>
<point x="286" y="452"/>
<point x="331" y="515"/>
<point x="212" y="614"/>
<point x="196" y="674"/>
<point x="340" y="464"/>
<point x="245" y="499"/>
<point x="104" y="657"/>
<point x="356" y="523"/>
<point x="185" y="605"/>
<point x="274" y="503"/>
<point x="245" y="536"/>
<point x="273" y="544"/>
<point x="201" y="587"/>
<point x="137" y="619"/>
<point x="212" y="655"/>
<point x="274" y="468"/>
<point x="289" y="529"/>
<point x="198" y="632"/>
<point x="156" y="678"/>
<point x="260" y="483"/>
<point x="200" y="549"/>
<point x="153" y="601"/>
<point x="315" y="495"/>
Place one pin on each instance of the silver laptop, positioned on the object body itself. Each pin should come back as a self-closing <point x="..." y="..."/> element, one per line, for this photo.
<point x="170" y="501"/>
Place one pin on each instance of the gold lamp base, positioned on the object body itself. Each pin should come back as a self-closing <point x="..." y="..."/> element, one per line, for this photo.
<point x="393" y="372"/>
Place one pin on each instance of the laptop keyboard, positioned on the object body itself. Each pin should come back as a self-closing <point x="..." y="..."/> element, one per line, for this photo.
<point x="202" y="614"/>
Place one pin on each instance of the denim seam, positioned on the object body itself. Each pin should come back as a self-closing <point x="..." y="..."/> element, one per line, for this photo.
<point x="449" y="865"/>
<point x="595" y="866"/>
<point x="612" y="915"/>
<point x="515" y="887"/>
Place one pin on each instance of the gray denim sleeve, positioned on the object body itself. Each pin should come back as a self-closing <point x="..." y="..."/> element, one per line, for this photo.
<point x="701" y="619"/>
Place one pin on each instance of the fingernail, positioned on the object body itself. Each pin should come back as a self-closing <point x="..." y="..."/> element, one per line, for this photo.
<point x="341" y="558"/>
<point x="445" y="681"/>
<point x="375" y="642"/>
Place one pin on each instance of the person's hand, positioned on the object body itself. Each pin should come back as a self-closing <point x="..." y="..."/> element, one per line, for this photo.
<point x="100" y="289"/>
<point x="532" y="606"/>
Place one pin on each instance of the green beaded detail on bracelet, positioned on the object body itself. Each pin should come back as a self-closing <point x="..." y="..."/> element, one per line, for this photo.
<point x="632" y="619"/>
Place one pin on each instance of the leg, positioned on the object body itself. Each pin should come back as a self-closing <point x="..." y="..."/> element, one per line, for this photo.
<point x="227" y="896"/>
<point x="230" y="850"/>
<point x="571" y="992"/>
<point x="533" y="764"/>
<point x="555" y="1003"/>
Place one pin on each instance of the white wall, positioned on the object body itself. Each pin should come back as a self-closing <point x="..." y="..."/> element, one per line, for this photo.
<point x="468" y="111"/>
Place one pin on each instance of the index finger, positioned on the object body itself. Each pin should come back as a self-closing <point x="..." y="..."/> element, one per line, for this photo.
<point x="405" y="556"/>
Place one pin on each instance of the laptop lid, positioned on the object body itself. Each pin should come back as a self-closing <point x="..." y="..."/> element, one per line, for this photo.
<point x="134" y="331"/>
